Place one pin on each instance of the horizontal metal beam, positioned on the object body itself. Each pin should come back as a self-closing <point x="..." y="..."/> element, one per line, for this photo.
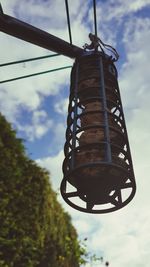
<point x="31" y="34"/>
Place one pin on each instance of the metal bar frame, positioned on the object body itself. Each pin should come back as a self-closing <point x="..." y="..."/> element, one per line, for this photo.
<point x="75" y="116"/>
<point x="113" y="198"/>
<point x="107" y="134"/>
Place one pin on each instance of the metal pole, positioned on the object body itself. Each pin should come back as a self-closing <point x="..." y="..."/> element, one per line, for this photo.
<point x="31" y="34"/>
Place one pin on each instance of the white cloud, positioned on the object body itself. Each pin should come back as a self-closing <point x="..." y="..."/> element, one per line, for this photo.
<point x="134" y="81"/>
<point x="62" y="106"/>
<point x="54" y="165"/>
<point x="39" y="126"/>
<point x="28" y="93"/>
<point x="118" y="9"/>
<point x="113" y="13"/>
<point x="59" y="134"/>
<point x="39" y="12"/>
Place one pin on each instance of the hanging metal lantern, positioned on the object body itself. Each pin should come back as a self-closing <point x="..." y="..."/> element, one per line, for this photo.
<point x="98" y="171"/>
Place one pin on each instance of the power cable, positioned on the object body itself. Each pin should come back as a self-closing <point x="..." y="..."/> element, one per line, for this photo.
<point x="34" y="74"/>
<point x="27" y="60"/>
<point x="68" y="21"/>
<point x="1" y="9"/>
<point x="95" y="20"/>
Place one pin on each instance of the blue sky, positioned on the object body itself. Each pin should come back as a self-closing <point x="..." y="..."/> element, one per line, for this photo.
<point x="37" y="108"/>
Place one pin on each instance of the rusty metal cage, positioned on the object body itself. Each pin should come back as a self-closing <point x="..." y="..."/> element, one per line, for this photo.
<point x="98" y="171"/>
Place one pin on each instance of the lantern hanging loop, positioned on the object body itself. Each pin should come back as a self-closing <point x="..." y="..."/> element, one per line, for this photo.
<point x="97" y="42"/>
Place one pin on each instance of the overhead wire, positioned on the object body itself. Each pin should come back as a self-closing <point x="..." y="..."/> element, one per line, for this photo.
<point x="27" y="60"/>
<point x="34" y="74"/>
<point x="1" y="9"/>
<point x="95" y="17"/>
<point x="68" y="21"/>
<point x="39" y="58"/>
<point x="101" y="44"/>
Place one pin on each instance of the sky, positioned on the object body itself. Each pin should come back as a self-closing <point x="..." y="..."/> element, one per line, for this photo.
<point x="37" y="109"/>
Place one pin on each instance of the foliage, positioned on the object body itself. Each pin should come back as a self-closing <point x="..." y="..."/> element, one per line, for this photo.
<point x="34" y="229"/>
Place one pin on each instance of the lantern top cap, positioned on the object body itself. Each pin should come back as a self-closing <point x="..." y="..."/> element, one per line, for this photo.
<point x="97" y="43"/>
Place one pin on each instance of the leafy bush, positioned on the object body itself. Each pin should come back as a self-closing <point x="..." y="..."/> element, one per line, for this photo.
<point x="34" y="229"/>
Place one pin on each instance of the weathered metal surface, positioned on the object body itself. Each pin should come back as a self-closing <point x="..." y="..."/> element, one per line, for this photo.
<point x="97" y="155"/>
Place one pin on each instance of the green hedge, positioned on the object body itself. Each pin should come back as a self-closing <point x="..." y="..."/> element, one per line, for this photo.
<point x="34" y="229"/>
